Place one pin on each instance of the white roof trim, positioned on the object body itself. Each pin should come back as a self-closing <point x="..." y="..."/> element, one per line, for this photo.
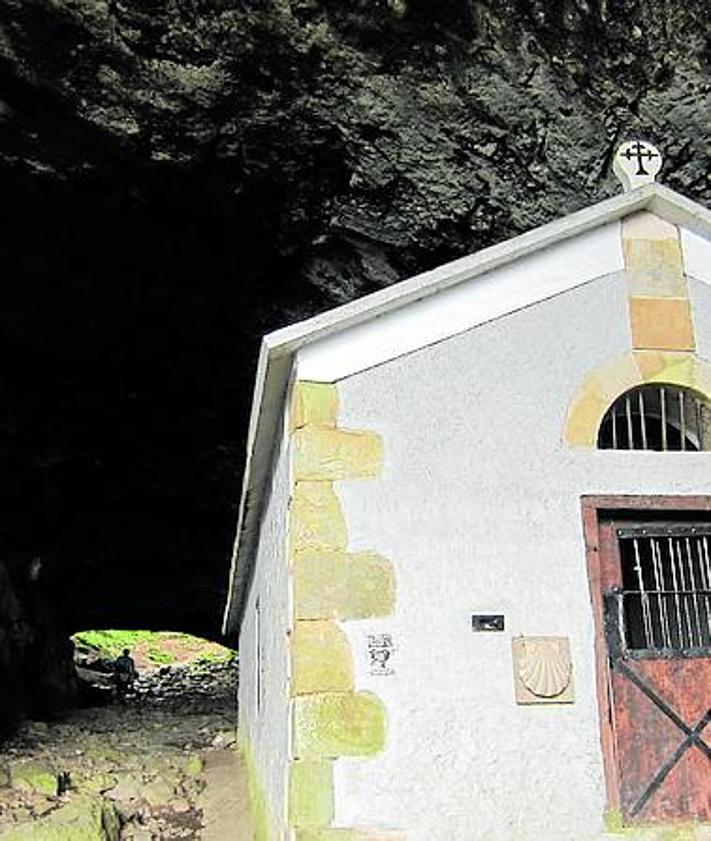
<point x="278" y="348"/>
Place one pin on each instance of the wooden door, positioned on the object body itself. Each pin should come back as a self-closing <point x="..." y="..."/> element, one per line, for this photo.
<point x="655" y="598"/>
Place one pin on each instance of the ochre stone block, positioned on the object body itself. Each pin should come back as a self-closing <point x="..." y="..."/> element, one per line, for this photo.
<point x="656" y="283"/>
<point x="645" y="225"/>
<point x="313" y="403"/>
<point x="655" y="269"/>
<point x="645" y="254"/>
<point x="673" y="368"/>
<point x="584" y="417"/>
<point x="316" y="523"/>
<point x="320" y="658"/>
<point x="661" y="323"/>
<point x="338" y="724"/>
<point x="323" y="453"/>
<point x="347" y="834"/>
<point x="311" y="801"/>
<point x="615" y="377"/>
<point x="342" y="585"/>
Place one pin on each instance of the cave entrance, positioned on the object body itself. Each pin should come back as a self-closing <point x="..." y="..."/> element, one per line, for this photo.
<point x="172" y="669"/>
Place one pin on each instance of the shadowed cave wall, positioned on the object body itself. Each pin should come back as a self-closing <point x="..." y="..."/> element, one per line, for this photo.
<point x="179" y="177"/>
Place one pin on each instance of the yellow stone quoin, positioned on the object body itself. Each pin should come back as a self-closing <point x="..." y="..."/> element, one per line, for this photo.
<point x="311" y="800"/>
<point x="317" y="523"/>
<point x="329" y="717"/>
<point x="320" y="658"/>
<point x="314" y="404"/>
<point x="332" y="724"/>
<point x="342" y="585"/>
<point x="322" y="453"/>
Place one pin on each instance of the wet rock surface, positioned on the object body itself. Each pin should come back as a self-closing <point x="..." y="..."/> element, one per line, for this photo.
<point x="128" y="770"/>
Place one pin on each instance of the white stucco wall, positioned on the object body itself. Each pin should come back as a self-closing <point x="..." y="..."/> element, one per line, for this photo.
<point x="458" y="308"/>
<point x="478" y="508"/>
<point x="267" y="731"/>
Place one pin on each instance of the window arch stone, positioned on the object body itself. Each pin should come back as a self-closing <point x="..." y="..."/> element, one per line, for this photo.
<point x="623" y="373"/>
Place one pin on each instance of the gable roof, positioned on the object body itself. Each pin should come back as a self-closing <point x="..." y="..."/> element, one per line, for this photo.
<point x="279" y="348"/>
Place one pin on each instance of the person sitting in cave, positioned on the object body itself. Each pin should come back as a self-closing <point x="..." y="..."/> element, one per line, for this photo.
<point x="124" y="673"/>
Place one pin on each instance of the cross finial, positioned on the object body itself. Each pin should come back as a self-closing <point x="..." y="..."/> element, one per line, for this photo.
<point x="636" y="163"/>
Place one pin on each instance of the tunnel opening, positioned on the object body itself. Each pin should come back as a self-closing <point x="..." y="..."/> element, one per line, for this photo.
<point x="170" y="669"/>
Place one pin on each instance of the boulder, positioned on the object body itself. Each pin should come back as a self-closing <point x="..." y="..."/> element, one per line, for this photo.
<point x="158" y="793"/>
<point x="83" y="818"/>
<point x="128" y="787"/>
<point x="34" y="775"/>
<point x="224" y="739"/>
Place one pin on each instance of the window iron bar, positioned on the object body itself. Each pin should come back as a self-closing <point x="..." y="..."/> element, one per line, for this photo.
<point x="694" y="597"/>
<point x="630" y="431"/>
<point x="653" y="417"/>
<point x="663" y="402"/>
<point x="684" y="586"/>
<point x="682" y="419"/>
<point x="643" y="422"/>
<point x="646" y="616"/>
<point x="661" y="603"/>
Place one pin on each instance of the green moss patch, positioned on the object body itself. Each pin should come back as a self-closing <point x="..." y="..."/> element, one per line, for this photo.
<point x="151" y="648"/>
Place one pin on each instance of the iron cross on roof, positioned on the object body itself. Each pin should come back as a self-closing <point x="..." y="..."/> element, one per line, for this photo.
<point x="636" y="163"/>
<point x="640" y="151"/>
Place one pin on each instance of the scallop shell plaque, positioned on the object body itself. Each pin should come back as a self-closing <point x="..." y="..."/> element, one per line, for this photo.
<point x="542" y="670"/>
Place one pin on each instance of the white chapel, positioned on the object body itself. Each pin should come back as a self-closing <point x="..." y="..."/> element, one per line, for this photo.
<point x="472" y="574"/>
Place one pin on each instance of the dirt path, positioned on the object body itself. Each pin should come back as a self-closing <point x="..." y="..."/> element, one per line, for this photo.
<point x="162" y="766"/>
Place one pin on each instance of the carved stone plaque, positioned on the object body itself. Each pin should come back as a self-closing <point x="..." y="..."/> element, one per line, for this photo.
<point x="543" y="671"/>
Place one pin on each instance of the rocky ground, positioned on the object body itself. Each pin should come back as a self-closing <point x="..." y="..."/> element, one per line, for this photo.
<point x="137" y="770"/>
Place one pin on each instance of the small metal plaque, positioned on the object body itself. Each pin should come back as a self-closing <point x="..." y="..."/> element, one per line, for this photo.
<point x="488" y="622"/>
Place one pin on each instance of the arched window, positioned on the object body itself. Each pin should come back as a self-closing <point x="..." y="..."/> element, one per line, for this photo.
<point x="656" y="417"/>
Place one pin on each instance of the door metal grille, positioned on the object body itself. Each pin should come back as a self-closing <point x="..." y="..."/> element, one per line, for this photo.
<point x="665" y="600"/>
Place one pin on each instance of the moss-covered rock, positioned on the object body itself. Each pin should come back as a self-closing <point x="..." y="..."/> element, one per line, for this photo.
<point x="34" y="775"/>
<point x="128" y="787"/>
<point x="158" y="793"/>
<point x="194" y="765"/>
<point x="83" y="818"/>
<point x="98" y="783"/>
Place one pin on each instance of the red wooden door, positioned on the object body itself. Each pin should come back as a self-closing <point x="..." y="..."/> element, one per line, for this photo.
<point x="655" y="579"/>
